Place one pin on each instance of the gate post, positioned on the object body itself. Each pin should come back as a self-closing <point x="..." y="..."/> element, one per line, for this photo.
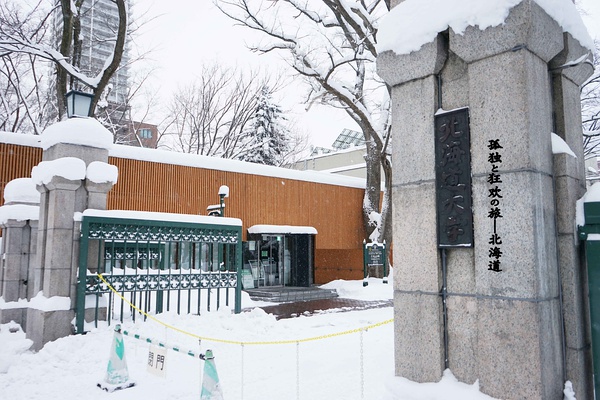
<point x="75" y="153"/>
<point x="18" y="221"/>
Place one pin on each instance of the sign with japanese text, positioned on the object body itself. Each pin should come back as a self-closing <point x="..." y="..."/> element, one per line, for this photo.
<point x="495" y="198"/>
<point x="157" y="361"/>
<point x="453" y="179"/>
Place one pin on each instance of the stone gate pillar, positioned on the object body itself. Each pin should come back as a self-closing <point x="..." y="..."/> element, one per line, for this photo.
<point x="19" y="222"/>
<point x="514" y="311"/>
<point x="69" y="182"/>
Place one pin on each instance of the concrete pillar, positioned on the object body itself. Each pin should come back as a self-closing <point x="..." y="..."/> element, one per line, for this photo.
<point x="504" y="328"/>
<point x="64" y="192"/>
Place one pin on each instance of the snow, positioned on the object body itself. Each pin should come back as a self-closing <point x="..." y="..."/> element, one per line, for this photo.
<point x="54" y="303"/>
<point x="592" y="195"/>
<point x="222" y="164"/>
<point x="21" y="190"/>
<point x="22" y="139"/>
<point x="282" y="229"/>
<point x="156" y="216"/>
<point x="19" y="212"/>
<point x="411" y="24"/>
<point x="66" y="167"/>
<point x="81" y="131"/>
<point x="559" y="146"/>
<point x="101" y="172"/>
<point x="199" y="161"/>
<point x="69" y="368"/>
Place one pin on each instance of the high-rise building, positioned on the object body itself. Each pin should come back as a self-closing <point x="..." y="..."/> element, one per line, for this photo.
<point x="99" y="24"/>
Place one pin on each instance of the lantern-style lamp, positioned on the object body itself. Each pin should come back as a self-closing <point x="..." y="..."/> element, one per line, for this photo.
<point x="223" y="192"/>
<point x="79" y="104"/>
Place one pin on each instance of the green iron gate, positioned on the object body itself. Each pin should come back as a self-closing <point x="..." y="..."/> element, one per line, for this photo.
<point x="156" y="265"/>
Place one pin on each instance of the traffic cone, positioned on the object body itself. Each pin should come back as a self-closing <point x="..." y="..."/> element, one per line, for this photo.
<point x="117" y="375"/>
<point x="211" y="388"/>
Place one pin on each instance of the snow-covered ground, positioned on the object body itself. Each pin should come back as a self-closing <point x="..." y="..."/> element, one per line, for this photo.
<point x="327" y="368"/>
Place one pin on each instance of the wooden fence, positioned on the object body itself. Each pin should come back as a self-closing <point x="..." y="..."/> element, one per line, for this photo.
<point x="335" y="211"/>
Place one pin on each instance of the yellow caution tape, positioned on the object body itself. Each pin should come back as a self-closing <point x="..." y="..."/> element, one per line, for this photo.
<point x="365" y="328"/>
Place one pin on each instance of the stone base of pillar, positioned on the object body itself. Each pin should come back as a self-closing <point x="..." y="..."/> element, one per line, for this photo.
<point x="18" y="315"/>
<point x="46" y="326"/>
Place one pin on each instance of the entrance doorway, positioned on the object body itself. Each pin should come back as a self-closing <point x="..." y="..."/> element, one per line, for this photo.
<point x="274" y="257"/>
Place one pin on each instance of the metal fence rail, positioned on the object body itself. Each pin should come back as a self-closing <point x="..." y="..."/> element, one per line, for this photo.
<point x="160" y="265"/>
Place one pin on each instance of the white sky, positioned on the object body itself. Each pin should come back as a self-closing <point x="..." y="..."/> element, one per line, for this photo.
<point x="187" y="33"/>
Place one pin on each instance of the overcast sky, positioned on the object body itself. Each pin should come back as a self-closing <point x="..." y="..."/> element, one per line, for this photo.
<point x="186" y="33"/>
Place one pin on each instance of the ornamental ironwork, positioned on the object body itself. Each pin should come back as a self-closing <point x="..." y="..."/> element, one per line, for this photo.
<point x="159" y="282"/>
<point x="153" y="233"/>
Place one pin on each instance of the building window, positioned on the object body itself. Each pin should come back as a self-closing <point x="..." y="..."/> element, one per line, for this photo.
<point x="145" y="133"/>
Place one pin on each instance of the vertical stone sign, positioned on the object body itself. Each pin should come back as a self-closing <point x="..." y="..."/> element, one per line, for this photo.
<point x="453" y="179"/>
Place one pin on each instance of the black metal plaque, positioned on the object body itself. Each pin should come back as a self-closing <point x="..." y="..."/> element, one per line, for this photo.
<point x="453" y="179"/>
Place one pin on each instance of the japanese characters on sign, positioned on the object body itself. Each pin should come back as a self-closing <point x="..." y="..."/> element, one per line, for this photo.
<point x="453" y="179"/>
<point x="495" y="198"/>
<point x="157" y="361"/>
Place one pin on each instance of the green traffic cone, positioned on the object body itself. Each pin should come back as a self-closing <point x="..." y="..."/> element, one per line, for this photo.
<point x="211" y="388"/>
<point x="117" y="375"/>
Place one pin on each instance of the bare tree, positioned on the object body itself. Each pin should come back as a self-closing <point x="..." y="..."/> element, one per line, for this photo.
<point x="25" y="32"/>
<point x="211" y="115"/>
<point x="331" y="43"/>
<point x="590" y="109"/>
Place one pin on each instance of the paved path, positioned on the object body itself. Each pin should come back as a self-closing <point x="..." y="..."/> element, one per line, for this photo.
<point x="310" y="307"/>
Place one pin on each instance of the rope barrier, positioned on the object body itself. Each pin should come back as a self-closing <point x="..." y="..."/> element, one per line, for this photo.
<point x="238" y="342"/>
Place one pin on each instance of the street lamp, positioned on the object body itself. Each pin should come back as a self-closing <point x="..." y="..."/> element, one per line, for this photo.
<point x="79" y="104"/>
<point x="223" y="192"/>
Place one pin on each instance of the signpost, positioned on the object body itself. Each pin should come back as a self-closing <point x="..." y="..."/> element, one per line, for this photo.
<point x="374" y="255"/>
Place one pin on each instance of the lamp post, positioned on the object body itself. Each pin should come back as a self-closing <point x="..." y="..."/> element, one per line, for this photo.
<point x="79" y="104"/>
<point x="223" y="192"/>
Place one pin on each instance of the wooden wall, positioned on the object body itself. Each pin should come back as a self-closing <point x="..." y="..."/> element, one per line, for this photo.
<point x="335" y="211"/>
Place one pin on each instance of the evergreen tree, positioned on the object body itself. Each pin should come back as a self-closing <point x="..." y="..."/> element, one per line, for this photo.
<point x="268" y="138"/>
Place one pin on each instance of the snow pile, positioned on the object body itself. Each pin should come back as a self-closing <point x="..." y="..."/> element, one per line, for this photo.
<point x="16" y="192"/>
<point x="13" y="345"/>
<point x="101" y="172"/>
<point x="559" y="146"/>
<point x="81" y="131"/>
<point x="569" y="393"/>
<point x="375" y="290"/>
<point x="448" y="388"/>
<point x="19" y="212"/>
<point x="67" y="167"/>
<point x="69" y="368"/>
<point x="411" y="24"/>
<point x="21" y="190"/>
<point x="54" y="303"/>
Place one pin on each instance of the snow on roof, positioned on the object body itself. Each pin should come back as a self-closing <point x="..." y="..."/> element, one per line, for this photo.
<point x="282" y="229"/>
<point x="169" y="217"/>
<point x="411" y="24"/>
<point x="21" y="190"/>
<point x="82" y="131"/>
<point x="67" y="167"/>
<point x="19" y="212"/>
<point x="199" y="161"/>
<point x="223" y="164"/>
<point x="20" y="138"/>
